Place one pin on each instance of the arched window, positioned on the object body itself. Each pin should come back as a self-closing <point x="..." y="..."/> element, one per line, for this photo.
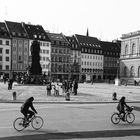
<point x="126" y="50"/>
<point x="139" y="71"/>
<point x="133" y="49"/>
<point x="132" y="74"/>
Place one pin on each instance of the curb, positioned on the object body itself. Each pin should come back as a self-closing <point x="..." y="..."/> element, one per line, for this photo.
<point x="68" y="102"/>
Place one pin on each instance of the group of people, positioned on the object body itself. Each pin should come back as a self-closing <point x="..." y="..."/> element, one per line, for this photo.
<point x="60" y="89"/>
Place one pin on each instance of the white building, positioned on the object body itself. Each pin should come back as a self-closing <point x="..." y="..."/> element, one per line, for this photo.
<point x="5" y="50"/>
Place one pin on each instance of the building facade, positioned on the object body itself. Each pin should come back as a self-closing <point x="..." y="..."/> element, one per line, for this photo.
<point x="130" y="56"/>
<point x="111" y="52"/>
<point x="19" y="48"/>
<point x="75" y="57"/>
<point x="91" y="58"/>
<point x="60" y="57"/>
<point x="5" y="51"/>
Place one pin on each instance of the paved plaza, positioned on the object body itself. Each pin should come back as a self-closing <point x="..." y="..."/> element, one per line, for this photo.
<point x="96" y="92"/>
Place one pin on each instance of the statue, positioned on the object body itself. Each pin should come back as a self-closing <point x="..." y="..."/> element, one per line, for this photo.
<point x="35" y="66"/>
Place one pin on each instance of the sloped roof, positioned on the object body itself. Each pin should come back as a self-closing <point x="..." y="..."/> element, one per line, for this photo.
<point x="110" y="46"/>
<point x="56" y="37"/>
<point x="36" y="31"/>
<point x="73" y="43"/>
<point x="16" y="29"/>
<point x="3" y="31"/>
<point x="87" y="41"/>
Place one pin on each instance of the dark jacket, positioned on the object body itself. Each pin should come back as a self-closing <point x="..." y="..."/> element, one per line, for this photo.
<point x="28" y="104"/>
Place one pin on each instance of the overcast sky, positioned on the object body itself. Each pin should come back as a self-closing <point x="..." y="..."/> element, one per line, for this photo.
<point x="105" y="19"/>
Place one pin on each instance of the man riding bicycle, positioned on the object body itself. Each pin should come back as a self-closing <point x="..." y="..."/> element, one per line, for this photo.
<point x="121" y="107"/>
<point x="25" y="108"/>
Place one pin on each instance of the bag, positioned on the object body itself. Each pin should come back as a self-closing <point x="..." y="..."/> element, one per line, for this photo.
<point x="119" y="108"/>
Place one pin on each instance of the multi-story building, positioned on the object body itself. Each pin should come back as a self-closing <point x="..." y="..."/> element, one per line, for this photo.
<point x="91" y="58"/>
<point x="36" y="32"/>
<point x="111" y="52"/>
<point x="130" y="56"/>
<point x="19" y="47"/>
<point x="76" y="57"/>
<point x="5" y="50"/>
<point x="60" y="57"/>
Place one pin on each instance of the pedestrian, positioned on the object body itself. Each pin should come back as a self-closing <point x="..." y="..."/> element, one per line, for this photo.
<point x="75" y="87"/>
<point x="49" y="88"/>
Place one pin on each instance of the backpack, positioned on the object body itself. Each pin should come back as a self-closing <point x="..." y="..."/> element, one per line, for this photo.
<point x="119" y="107"/>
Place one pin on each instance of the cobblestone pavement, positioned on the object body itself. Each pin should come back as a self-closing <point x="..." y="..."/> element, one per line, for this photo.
<point x="98" y="92"/>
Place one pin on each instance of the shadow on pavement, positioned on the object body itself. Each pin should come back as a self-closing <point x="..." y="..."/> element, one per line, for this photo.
<point x="74" y="135"/>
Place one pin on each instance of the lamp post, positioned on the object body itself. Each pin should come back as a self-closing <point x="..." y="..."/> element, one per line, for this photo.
<point x="117" y="80"/>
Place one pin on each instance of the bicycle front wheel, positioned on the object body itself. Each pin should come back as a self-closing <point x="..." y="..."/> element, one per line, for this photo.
<point x="115" y="119"/>
<point x="18" y="124"/>
<point x="37" y="122"/>
<point x="130" y="117"/>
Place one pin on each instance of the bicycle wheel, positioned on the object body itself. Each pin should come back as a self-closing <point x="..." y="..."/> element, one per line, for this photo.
<point x="115" y="119"/>
<point x="130" y="117"/>
<point x="18" y="124"/>
<point x="37" y="122"/>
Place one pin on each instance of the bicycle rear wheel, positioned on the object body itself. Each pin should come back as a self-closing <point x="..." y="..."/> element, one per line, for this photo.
<point x="130" y="117"/>
<point x="18" y="124"/>
<point x="115" y="119"/>
<point x="37" y="122"/>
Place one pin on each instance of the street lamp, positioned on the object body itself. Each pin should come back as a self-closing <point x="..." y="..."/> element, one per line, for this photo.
<point x="117" y="80"/>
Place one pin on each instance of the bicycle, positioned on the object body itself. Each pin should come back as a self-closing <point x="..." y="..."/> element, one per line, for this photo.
<point x="129" y="116"/>
<point x="21" y="123"/>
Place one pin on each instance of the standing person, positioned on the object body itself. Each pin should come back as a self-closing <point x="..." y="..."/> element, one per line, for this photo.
<point x="25" y="108"/>
<point x="121" y="107"/>
<point x="75" y="87"/>
<point x="49" y="88"/>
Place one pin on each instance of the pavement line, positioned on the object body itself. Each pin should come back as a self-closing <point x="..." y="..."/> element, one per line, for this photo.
<point x="1" y="127"/>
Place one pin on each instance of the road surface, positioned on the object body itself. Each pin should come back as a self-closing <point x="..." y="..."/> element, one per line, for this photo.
<point x="69" y="121"/>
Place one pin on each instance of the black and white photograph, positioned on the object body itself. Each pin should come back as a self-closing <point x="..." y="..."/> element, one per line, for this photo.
<point x="69" y="70"/>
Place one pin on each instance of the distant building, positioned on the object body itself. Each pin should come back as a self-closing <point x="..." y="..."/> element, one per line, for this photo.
<point x="5" y="50"/>
<point x="76" y="57"/>
<point x="60" y="57"/>
<point x="19" y="47"/>
<point x="130" y="56"/>
<point x="91" y="58"/>
<point x="111" y="52"/>
<point x="36" y="32"/>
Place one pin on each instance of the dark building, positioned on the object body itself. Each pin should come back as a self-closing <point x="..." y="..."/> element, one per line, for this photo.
<point x="111" y="52"/>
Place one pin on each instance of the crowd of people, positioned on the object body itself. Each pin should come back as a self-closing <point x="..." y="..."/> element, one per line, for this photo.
<point x="56" y="88"/>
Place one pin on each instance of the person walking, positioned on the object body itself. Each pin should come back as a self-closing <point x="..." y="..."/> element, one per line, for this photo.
<point x="75" y="87"/>
<point x="49" y="88"/>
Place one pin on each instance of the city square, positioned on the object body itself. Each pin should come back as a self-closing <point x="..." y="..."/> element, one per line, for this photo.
<point x="86" y="116"/>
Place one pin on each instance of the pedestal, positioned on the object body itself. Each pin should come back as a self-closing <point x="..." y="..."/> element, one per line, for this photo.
<point x="117" y="82"/>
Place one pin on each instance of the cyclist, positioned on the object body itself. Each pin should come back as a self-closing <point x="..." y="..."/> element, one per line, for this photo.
<point x="121" y="107"/>
<point x="25" y="108"/>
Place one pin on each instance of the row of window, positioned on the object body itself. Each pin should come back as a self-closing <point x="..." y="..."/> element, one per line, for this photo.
<point x="60" y="59"/>
<point x="62" y="51"/>
<point x="132" y="51"/>
<point x="91" y="70"/>
<point x="44" y="51"/>
<point x="44" y="44"/>
<point x="99" y="64"/>
<point x="92" y="57"/>
<point x="88" y="50"/>
<point x="6" y="51"/>
<point x="6" y="58"/>
<point x="2" y="42"/>
<point x="44" y="58"/>
<point x="6" y="67"/>
<point x="132" y="72"/>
